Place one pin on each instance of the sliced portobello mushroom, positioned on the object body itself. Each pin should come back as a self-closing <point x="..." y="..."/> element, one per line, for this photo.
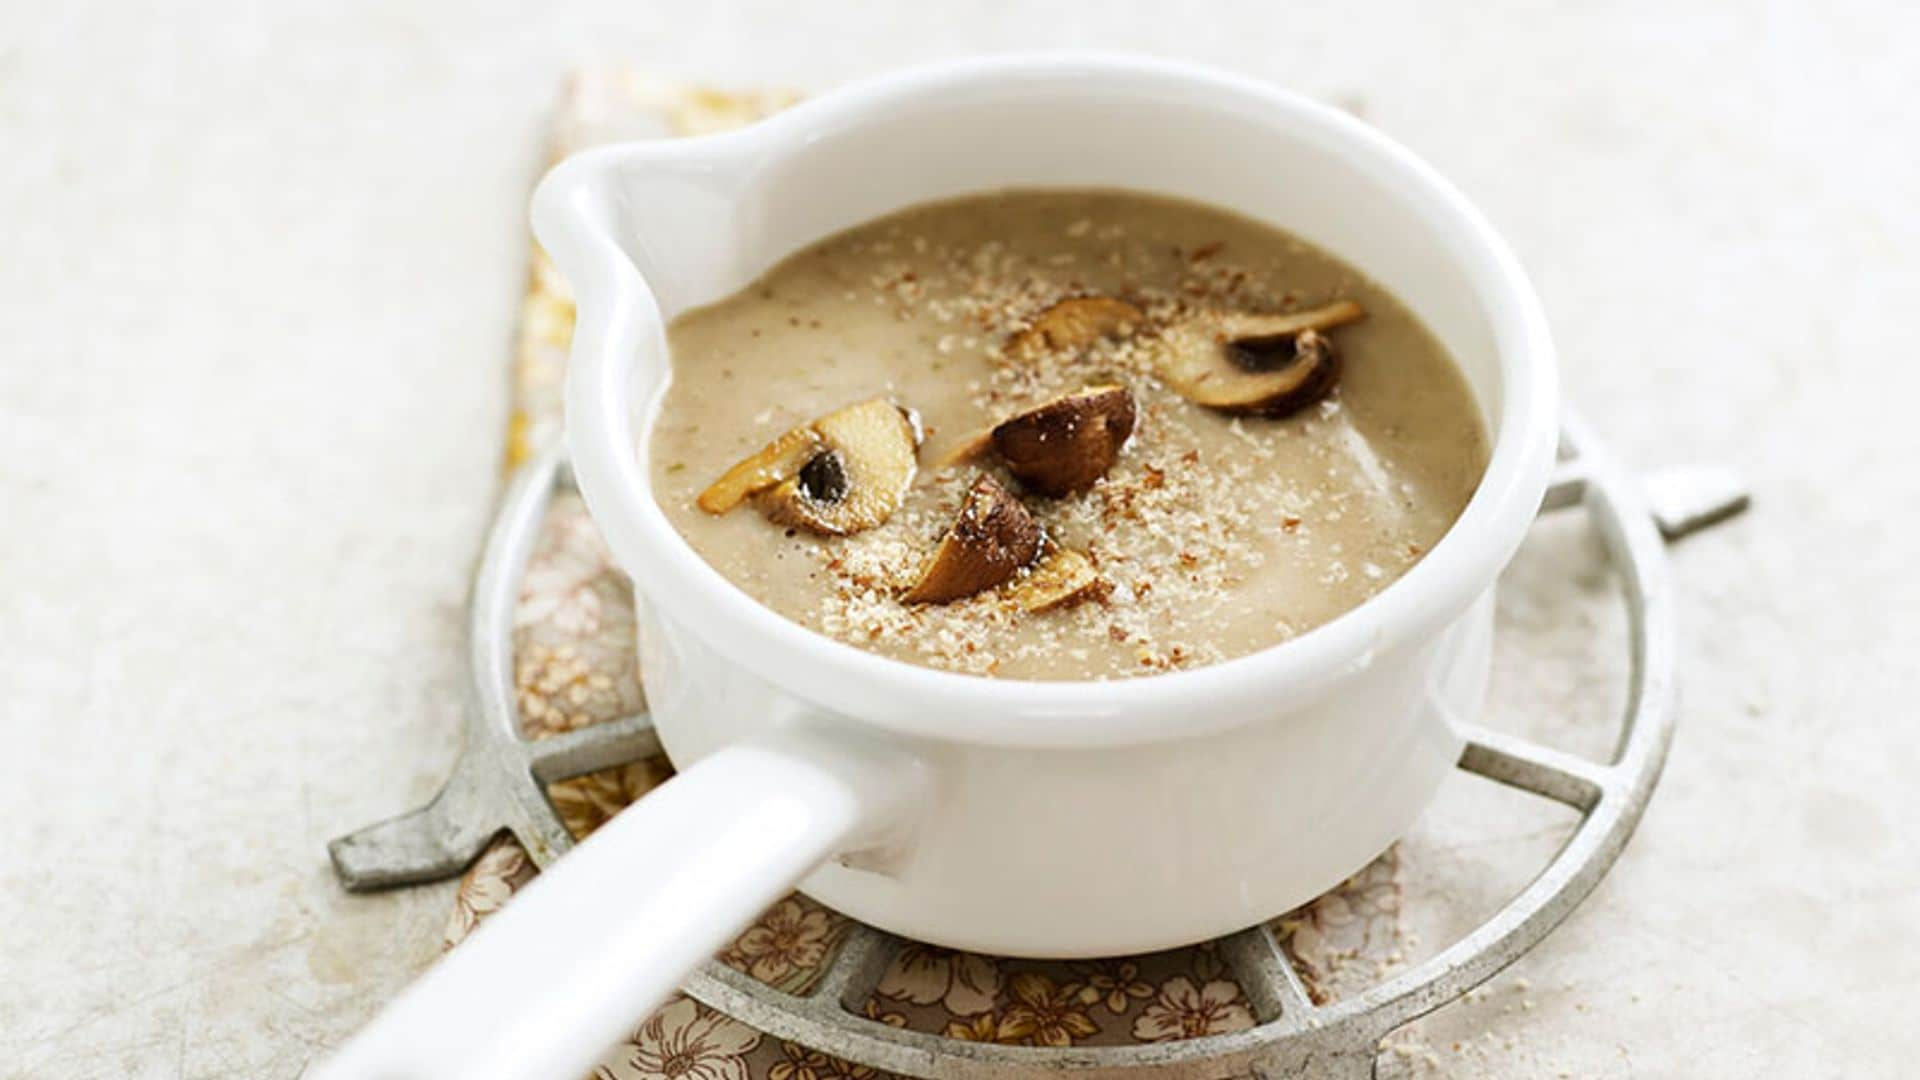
<point x="1263" y="365"/>
<point x="1060" y="578"/>
<point x="989" y="541"/>
<point x="1073" y="324"/>
<point x="856" y="476"/>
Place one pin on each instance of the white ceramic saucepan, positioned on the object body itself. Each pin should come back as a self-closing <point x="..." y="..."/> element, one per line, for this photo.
<point x="965" y="811"/>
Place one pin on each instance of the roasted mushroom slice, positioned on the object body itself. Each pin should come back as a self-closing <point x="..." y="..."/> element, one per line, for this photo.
<point x="860" y="465"/>
<point x="1068" y="443"/>
<point x="782" y="458"/>
<point x="1075" y="323"/>
<point x="990" y="540"/>
<point x="1265" y="365"/>
<point x="1061" y="577"/>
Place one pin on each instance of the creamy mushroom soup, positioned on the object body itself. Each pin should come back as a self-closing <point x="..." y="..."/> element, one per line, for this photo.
<point x="1063" y="435"/>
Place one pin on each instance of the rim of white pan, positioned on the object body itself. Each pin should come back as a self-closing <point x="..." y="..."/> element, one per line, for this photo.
<point x="892" y="694"/>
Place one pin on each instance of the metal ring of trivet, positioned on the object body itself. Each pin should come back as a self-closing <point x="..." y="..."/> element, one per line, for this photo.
<point x="498" y="783"/>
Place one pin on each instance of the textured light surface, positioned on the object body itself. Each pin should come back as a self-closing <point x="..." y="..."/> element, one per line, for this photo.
<point x="261" y="269"/>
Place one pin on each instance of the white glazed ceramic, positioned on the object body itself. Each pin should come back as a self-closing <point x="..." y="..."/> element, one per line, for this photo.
<point x="1055" y="819"/>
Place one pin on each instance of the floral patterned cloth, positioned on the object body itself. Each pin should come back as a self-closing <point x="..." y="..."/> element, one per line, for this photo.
<point x="575" y="665"/>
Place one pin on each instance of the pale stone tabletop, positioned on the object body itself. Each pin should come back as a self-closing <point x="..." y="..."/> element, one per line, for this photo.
<point x="261" y="269"/>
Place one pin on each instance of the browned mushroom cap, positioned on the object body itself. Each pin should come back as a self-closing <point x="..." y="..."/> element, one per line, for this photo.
<point x="1074" y="324"/>
<point x="862" y="461"/>
<point x="1267" y="365"/>
<point x="1070" y="442"/>
<point x="991" y="539"/>
<point x="1062" y="577"/>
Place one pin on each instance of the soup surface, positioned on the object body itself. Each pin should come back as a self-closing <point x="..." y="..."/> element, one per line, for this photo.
<point x="1234" y="516"/>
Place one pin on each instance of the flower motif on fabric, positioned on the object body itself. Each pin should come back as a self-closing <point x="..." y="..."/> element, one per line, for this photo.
<point x="965" y="984"/>
<point x="792" y="937"/>
<point x="1351" y="937"/>
<point x="1115" y="983"/>
<point x="799" y="1063"/>
<point x="683" y="1041"/>
<point x="487" y="885"/>
<point x="1044" y="1013"/>
<point x="584" y="803"/>
<point x="984" y="1028"/>
<point x="1183" y="1010"/>
<point x="873" y="1011"/>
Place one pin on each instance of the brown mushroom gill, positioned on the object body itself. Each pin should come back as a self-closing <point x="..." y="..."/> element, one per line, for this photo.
<point x="780" y="459"/>
<point x="1264" y="365"/>
<point x="857" y="480"/>
<point x="843" y="473"/>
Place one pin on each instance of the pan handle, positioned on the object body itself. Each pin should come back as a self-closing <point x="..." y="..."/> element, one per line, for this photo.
<point x="606" y="934"/>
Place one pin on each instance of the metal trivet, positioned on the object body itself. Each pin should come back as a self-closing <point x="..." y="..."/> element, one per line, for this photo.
<point x="498" y="783"/>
